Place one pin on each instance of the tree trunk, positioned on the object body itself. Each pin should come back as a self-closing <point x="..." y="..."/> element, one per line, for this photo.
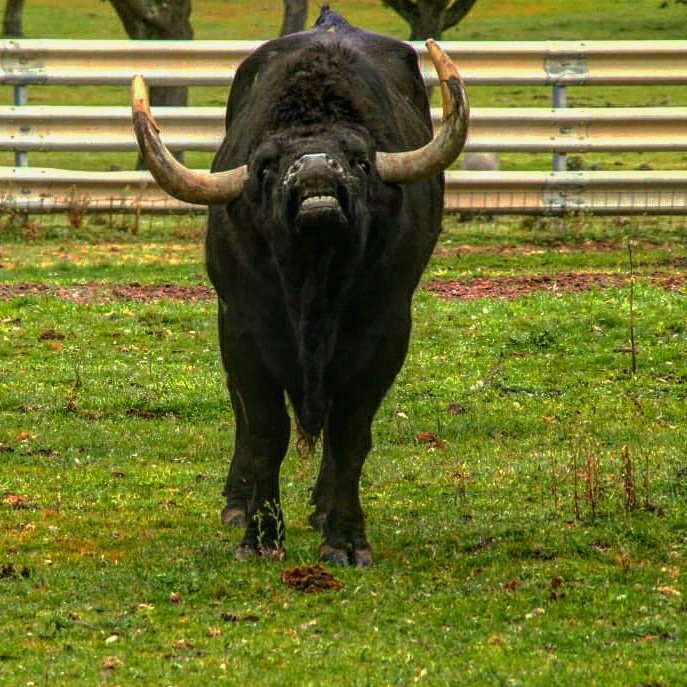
<point x="155" y="19"/>
<point x="13" y="18"/>
<point x="158" y="20"/>
<point x="430" y="18"/>
<point x="295" y="16"/>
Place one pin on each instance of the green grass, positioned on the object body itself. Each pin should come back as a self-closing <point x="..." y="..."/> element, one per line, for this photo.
<point x="526" y="494"/>
<point x="506" y="550"/>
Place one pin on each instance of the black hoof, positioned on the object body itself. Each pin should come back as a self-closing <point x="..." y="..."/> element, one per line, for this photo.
<point x="360" y="558"/>
<point x="363" y="558"/>
<point x="246" y="552"/>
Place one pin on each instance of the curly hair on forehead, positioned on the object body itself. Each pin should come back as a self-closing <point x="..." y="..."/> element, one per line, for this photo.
<point x="324" y="85"/>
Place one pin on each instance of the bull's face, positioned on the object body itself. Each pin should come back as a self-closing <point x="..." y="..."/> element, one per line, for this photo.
<point x="312" y="200"/>
<point x="314" y="191"/>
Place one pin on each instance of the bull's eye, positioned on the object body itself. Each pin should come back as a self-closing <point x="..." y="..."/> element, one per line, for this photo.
<point x="263" y="171"/>
<point x="364" y="165"/>
<point x="265" y="166"/>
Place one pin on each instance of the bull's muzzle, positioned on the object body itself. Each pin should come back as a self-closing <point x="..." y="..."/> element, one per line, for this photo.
<point x="312" y="165"/>
<point x="315" y="188"/>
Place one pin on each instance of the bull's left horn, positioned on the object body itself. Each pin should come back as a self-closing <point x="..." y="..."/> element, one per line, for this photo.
<point x="177" y="180"/>
<point x="444" y="148"/>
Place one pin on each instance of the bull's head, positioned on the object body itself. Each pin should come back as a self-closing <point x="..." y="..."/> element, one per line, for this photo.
<point x="309" y="195"/>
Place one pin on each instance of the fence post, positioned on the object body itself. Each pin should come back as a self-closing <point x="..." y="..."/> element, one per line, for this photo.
<point x="559" y="100"/>
<point x="21" y="157"/>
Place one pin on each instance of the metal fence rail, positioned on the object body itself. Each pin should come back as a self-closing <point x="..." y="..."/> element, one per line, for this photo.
<point x="558" y="130"/>
<point x="30" y="61"/>
<point x="491" y="129"/>
<point x="47" y="190"/>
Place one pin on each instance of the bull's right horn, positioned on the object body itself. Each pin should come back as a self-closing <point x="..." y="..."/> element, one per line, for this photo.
<point x="179" y="181"/>
<point x="444" y="148"/>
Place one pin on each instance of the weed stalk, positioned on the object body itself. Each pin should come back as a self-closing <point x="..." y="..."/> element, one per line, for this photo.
<point x="633" y="348"/>
<point x="591" y="482"/>
<point x="629" y="485"/>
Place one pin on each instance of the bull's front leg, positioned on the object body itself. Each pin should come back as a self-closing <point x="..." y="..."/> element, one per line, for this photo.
<point x="262" y="437"/>
<point x="348" y="439"/>
<point x="252" y="488"/>
<point x="347" y="442"/>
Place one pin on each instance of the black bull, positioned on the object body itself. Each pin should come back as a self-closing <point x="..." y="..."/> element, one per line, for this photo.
<point x="325" y="200"/>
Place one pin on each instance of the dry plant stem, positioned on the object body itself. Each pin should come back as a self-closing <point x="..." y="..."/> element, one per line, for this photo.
<point x="576" y="495"/>
<point x="633" y="350"/>
<point x="591" y="479"/>
<point x="629" y="486"/>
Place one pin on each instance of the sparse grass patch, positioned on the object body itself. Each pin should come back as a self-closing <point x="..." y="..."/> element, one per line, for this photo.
<point x="526" y="493"/>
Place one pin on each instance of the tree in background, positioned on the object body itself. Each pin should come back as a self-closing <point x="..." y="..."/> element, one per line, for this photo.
<point x="155" y="19"/>
<point x="12" y="19"/>
<point x="430" y="18"/>
<point x="295" y="16"/>
<point x="158" y="20"/>
<point x="143" y="20"/>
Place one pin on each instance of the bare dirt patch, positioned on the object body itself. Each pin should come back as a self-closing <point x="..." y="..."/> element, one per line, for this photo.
<point x="468" y="288"/>
<point x="95" y="292"/>
<point x="510" y="287"/>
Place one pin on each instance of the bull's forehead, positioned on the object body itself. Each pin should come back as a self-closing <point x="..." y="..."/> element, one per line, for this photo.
<point x="338" y="141"/>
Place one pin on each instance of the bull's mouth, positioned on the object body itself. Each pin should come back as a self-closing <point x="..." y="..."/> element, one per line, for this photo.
<point x="316" y="208"/>
<point x="320" y="203"/>
<point x="320" y="211"/>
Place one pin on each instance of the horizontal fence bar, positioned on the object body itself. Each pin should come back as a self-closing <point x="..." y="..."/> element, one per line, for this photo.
<point x="180" y="63"/>
<point x="491" y="129"/>
<point x="626" y="193"/>
<point x="600" y="193"/>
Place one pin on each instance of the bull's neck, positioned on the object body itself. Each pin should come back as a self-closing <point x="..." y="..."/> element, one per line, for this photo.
<point x="315" y="298"/>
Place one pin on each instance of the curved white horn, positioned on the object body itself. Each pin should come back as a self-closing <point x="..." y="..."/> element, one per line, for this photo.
<point x="179" y="181"/>
<point x="444" y="148"/>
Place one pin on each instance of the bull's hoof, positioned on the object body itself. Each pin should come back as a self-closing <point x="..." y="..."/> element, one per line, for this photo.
<point x="363" y="558"/>
<point x="234" y="516"/>
<point x="360" y="558"/>
<point x="317" y="519"/>
<point x="245" y="552"/>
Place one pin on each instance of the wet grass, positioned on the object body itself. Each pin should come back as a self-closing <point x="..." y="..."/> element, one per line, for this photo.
<point x="525" y="496"/>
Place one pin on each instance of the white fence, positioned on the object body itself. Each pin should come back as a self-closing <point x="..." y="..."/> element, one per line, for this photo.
<point x="557" y="130"/>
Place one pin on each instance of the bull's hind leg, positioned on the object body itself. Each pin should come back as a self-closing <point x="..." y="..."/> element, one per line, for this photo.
<point x="324" y="487"/>
<point x="262" y="437"/>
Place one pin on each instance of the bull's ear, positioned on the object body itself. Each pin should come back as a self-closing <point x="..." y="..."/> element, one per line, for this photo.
<point x="176" y="179"/>
<point x="449" y="140"/>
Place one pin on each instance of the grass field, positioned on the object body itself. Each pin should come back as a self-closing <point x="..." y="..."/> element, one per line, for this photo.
<point x="526" y="494"/>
